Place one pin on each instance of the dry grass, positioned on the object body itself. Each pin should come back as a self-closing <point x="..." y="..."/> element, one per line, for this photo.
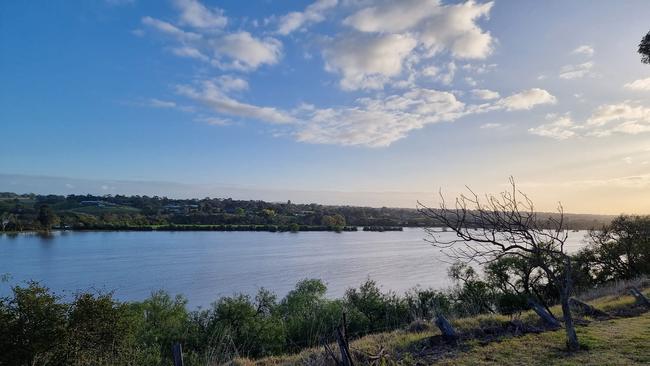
<point x="614" y="288"/>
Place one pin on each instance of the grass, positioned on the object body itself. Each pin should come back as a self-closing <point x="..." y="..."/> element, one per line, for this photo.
<point x="94" y="210"/>
<point x="611" y="342"/>
<point x="622" y="340"/>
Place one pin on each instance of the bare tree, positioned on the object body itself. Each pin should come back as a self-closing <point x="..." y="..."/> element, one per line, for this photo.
<point x="506" y="225"/>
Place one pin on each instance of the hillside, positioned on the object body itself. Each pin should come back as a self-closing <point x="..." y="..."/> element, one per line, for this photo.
<point x="620" y="339"/>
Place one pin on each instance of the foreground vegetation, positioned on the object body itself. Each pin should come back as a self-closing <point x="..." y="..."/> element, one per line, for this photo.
<point x="30" y="212"/>
<point x="39" y="329"/>
<point x="617" y="340"/>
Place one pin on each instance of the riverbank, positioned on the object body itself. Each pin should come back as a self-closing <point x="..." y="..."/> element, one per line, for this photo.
<point x="264" y="228"/>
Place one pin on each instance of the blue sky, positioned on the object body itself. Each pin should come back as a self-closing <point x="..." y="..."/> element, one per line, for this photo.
<point x="360" y="102"/>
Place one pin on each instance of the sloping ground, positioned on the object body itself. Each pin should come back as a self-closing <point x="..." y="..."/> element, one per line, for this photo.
<point x="612" y="342"/>
<point x="623" y="339"/>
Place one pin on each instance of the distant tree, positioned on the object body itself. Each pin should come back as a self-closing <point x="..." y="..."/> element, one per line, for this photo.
<point x="507" y="225"/>
<point x="47" y="217"/>
<point x="644" y="49"/>
<point x="336" y="221"/>
<point x="620" y="250"/>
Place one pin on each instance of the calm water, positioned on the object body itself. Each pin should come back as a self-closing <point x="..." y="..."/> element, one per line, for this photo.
<point x="206" y="265"/>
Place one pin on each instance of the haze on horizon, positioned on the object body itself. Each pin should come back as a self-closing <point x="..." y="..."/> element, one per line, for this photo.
<point x="357" y="102"/>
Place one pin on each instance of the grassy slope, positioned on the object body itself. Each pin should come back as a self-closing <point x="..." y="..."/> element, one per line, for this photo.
<point x="619" y="341"/>
<point x="611" y="342"/>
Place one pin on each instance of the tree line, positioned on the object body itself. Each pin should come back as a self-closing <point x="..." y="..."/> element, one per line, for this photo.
<point x="31" y="212"/>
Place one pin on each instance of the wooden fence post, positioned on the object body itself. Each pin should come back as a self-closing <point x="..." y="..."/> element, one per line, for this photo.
<point x="344" y="344"/>
<point x="177" y="354"/>
<point x="542" y="313"/>
<point x="448" y="332"/>
<point x="641" y="299"/>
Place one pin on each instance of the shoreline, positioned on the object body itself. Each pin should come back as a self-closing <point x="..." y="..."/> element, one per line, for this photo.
<point x="217" y="228"/>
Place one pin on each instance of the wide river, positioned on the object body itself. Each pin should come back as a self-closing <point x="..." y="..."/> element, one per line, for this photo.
<point x="204" y="266"/>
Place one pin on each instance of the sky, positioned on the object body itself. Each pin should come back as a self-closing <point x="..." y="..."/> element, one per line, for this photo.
<point x="378" y="103"/>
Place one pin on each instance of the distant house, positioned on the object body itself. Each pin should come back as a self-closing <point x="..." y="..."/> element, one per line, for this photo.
<point x="175" y="209"/>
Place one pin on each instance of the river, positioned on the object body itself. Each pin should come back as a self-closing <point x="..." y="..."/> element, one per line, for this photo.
<point x="204" y="266"/>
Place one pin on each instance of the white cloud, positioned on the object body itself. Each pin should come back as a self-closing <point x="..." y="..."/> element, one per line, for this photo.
<point x="378" y="122"/>
<point x="621" y="112"/>
<point x="214" y="121"/>
<point x="157" y="103"/>
<point x="479" y="68"/>
<point x="231" y="83"/>
<point x="170" y="29"/>
<point x="437" y="27"/>
<point x="470" y="81"/>
<point x="197" y="15"/>
<point x="490" y="125"/>
<point x="527" y="99"/>
<point x="586" y="50"/>
<point x="640" y="84"/>
<point x="393" y="16"/>
<point x="576" y="71"/>
<point x="395" y="34"/>
<point x="430" y="71"/>
<point x="560" y="128"/>
<point x="606" y="120"/>
<point x="189" y="52"/>
<point x="624" y="118"/>
<point x="448" y="77"/>
<point x="485" y="94"/>
<point x="368" y="62"/>
<point x="455" y="28"/>
<point x="312" y="14"/>
<point x="248" y="52"/>
<point x="213" y="97"/>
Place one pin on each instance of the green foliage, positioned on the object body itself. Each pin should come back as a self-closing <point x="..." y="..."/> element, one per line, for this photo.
<point x="471" y="296"/>
<point x="46" y="217"/>
<point x="644" y="49"/>
<point x="620" y="250"/>
<point x="98" y="329"/>
<point x="33" y="327"/>
<point x="377" y="310"/>
<point x="160" y="320"/>
<point x="334" y="221"/>
<point x="427" y="303"/>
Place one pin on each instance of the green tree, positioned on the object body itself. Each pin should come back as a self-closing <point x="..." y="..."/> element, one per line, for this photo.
<point x="333" y="221"/>
<point x="620" y="250"/>
<point x="98" y="328"/>
<point x="33" y="327"/>
<point x="47" y="217"/>
<point x="644" y="49"/>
